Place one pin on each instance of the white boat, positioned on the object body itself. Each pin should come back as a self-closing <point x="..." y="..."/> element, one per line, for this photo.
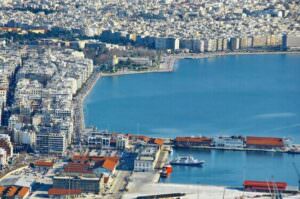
<point x="187" y="161"/>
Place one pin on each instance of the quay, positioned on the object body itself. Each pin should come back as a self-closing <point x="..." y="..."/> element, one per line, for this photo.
<point x="241" y="149"/>
<point x="238" y="143"/>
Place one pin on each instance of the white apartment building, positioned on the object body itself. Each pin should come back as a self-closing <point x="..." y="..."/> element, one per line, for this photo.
<point x="51" y="143"/>
<point x="122" y="142"/>
<point x="25" y="137"/>
<point x="99" y="141"/>
<point x="146" y="159"/>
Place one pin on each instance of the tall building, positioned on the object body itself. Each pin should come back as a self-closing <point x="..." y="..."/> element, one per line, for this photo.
<point x="211" y="45"/>
<point x="198" y="45"/>
<point x="122" y="142"/>
<point x="291" y="41"/>
<point x="225" y="44"/>
<point x="51" y="143"/>
<point x="259" y="41"/>
<point x="220" y="44"/>
<point x="235" y="43"/>
<point x="163" y="43"/>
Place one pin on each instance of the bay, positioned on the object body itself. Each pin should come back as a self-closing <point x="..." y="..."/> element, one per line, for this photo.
<point x="226" y="95"/>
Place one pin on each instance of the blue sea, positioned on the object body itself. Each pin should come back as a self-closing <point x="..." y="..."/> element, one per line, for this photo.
<point x="226" y="95"/>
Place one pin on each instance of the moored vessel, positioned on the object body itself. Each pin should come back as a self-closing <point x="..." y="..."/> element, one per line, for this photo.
<point x="166" y="171"/>
<point x="187" y="161"/>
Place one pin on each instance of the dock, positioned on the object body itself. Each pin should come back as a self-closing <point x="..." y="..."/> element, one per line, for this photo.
<point x="162" y="158"/>
<point x="238" y="143"/>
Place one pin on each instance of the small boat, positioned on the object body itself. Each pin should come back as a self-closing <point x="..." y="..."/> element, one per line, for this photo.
<point x="187" y="161"/>
<point x="166" y="171"/>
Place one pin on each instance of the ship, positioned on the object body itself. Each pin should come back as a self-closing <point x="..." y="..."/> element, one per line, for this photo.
<point x="187" y="161"/>
<point x="166" y="171"/>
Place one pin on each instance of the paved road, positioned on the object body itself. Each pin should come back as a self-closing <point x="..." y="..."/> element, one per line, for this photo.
<point x="118" y="187"/>
<point x="77" y="104"/>
<point x="162" y="159"/>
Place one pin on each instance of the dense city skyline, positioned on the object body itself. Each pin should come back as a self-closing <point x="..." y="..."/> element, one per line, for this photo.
<point x="53" y="53"/>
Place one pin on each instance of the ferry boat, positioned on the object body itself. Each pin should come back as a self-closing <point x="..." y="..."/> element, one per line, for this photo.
<point x="187" y="161"/>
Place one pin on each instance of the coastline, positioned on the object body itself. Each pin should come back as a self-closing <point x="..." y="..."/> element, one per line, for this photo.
<point x="78" y="100"/>
<point x="214" y="54"/>
<point x="167" y="65"/>
<point x="169" y="61"/>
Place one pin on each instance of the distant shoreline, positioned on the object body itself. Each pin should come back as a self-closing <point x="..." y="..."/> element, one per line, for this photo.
<point x="170" y="60"/>
<point x="213" y="54"/>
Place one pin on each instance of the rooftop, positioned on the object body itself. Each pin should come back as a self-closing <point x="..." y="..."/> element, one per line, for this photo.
<point x="58" y="191"/>
<point x="264" y="141"/>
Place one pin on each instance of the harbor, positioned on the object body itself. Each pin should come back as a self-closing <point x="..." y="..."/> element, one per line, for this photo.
<point x="229" y="161"/>
<point x="153" y="184"/>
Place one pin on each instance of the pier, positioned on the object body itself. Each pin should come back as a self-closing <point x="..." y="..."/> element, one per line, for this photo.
<point x="238" y="143"/>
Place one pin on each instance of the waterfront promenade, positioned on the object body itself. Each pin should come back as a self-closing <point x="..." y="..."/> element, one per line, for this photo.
<point x="169" y="60"/>
<point x="78" y="104"/>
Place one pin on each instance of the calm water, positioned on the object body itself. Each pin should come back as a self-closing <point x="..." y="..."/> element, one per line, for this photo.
<point x="247" y="95"/>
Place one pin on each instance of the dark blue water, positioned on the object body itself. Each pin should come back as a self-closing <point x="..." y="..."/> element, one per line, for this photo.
<point x="231" y="168"/>
<point x="230" y="95"/>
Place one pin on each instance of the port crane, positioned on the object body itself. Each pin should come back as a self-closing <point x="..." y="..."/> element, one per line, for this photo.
<point x="298" y="175"/>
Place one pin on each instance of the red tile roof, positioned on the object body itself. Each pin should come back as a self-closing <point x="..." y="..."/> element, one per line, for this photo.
<point x="84" y="158"/>
<point x="115" y="159"/>
<point x="109" y="164"/>
<point x="12" y="191"/>
<point x="58" y="191"/>
<point x="193" y="139"/>
<point x="23" y="192"/>
<point x="74" y="167"/>
<point x="9" y="29"/>
<point x="264" y="141"/>
<point x="43" y="163"/>
<point x="80" y="157"/>
<point x="157" y="141"/>
<point x="139" y="137"/>
<point x="281" y="185"/>
<point x="2" y="189"/>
